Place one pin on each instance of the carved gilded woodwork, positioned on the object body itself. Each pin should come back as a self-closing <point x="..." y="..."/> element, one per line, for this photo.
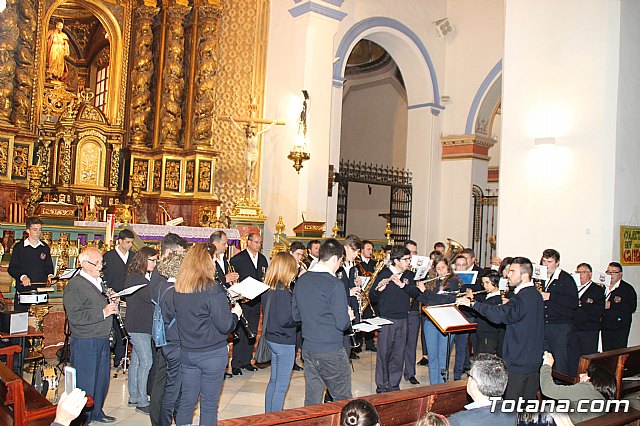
<point x="205" y="78"/>
<point x="20" y="161"/>
<point x="173" y="78"/>
<point x="141" y="168"/>
<point x="141" y="75"/>
<point x="172" y="175"/>
<point x="204" y="178"/>
<point x="116" y="146"/>
<point x="65" y="140"/>
<point x="4" y="156"/>
<point x="35" y="182"/>
<point x="157" y="175"/>
<point x="8" y="44"/>
<point x="190" y="176"/>
<point x="27" y="25"/>
<point x="90" y="159"/>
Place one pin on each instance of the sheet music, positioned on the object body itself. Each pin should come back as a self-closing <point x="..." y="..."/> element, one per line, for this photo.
<point x="128" y="291"/>
<point x="447" y="316"/>
<point x="249" y="288"/>
<point x="467" y="277"/>
<point x="503" y="284"/>
<point x="539" y="272"/>
<point x="68" y="273"/>
<point x="601" y="278"/>
<point x="365" y="327"/>
<point x="420" y="262"/>
<point x="378" y="321"/>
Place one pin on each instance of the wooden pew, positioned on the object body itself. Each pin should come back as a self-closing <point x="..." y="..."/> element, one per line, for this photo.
<point x="21" y="403"/>
<point x="621" y="362"/>
<point x="615" y="419"/>
<point x="403" y="407"/>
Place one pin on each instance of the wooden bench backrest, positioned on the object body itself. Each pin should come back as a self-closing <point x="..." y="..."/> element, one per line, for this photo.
<point x="621" y="362"/>
<point x="395" y="408"/>
<point x="9" y="352"/>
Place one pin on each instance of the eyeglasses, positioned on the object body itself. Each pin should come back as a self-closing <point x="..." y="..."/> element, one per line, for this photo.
<point x="91" y="263"/>
<point x="613" y="272"/>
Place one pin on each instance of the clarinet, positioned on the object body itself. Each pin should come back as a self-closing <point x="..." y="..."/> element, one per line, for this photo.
<point x="123" y="331"/>
<point x="242" y="320"/>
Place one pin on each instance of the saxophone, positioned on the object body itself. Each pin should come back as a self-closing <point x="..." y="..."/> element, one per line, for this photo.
<point x="364" y="293"/>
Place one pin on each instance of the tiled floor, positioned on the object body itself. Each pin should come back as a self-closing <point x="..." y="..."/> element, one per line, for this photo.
<point x="244" y="395"/>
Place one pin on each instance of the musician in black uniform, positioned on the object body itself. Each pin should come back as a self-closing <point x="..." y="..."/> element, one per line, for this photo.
<point x="413" y="323"/>
<point x="296" y="249"/>
<point x="248" y="263"/>
<point x="116" y="262"/>
<point x="620" y="303"/>
<point x="393" y="294"/>
<point x="560" y="303"/>
<point x="583" y="339"/>
<point x="313" y="248"/>
<point x="31" y="264"/>
<point x="219" y="239"/>
<point x="347" y="273"/>
<point x="368" y="265"/>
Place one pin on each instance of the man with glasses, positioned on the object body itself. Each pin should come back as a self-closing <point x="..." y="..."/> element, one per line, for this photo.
<point x="248" y="263"/>
<point x="583" y="339"/>
<point x="393" y="293"/>
<point x="31" y="264"/>
<point x="89" y="315"/>
<point x="620" y="303"/>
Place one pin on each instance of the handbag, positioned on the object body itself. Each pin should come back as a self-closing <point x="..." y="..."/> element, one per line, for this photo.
<point x="263" y="353"/>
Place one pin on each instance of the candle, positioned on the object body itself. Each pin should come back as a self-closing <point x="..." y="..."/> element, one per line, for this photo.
<point x="218" y="211"/>
<point x="92" y="202"/>
<point x="111" y="221"/>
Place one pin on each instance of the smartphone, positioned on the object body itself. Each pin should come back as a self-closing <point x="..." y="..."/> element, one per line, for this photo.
<point x="69" y="379"/>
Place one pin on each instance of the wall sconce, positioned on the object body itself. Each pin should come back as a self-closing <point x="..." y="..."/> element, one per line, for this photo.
<point x="300" y="151"/>
<point x="545" y="141"/>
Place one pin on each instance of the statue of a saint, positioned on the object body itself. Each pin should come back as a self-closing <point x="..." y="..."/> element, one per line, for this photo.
<point x="57" y="50"/>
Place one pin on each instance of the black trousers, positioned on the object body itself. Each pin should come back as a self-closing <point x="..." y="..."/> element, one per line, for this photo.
<point x="243" y="349"/>
<point x="159" y="379"/>
<point x="556" y="339"/>
<point x="392" y="339"/>
<point x="413" y="328"/>
<point x="615" y="339"/>
<point x="118" y="350"/>
<point x="522" y="385"/>
<point x="581" y="343"/>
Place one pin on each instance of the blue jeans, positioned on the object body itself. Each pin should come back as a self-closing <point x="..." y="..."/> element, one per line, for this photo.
<point x="141" y="361"/>
<point x="462" y="353"/>
<point x="202" y="374"/>
<point x="282" y="357"/>
<point x="437" y="346"/>
<point x="173" y="383"/>
<point x="91" y="358"/>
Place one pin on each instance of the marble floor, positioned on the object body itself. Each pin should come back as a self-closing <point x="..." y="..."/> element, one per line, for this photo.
<point x="244" y="395"/>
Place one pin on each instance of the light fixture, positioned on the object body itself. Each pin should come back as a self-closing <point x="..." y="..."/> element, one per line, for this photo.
<point x="300" y="151"/>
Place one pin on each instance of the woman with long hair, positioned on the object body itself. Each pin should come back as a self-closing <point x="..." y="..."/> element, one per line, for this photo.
<point x="204" y="320"/>
<point x="596" y="383"/>
<point x="280" y="328"/>
<point x="490" y="335"/>
<point x="443" y="292"/>
<point x="138" y="323"/>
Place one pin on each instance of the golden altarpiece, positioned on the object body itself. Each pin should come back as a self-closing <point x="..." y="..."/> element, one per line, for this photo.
<point x="119" y="99"/>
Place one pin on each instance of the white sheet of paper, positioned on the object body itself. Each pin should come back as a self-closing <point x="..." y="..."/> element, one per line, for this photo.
<point x="503" y="284"/>
<point x="249" y="288"/>
<point x="378" y="321"/>
<point x="601" y="278"/>
<point x="68" y="273"/>
<point x="539" y="272"/>
<point x="421" y="273"/>
<point x="128" y="291"/>
<point x="365" y="327"/>
<point x="447" y="315"/>
<point x="420" y="262"/>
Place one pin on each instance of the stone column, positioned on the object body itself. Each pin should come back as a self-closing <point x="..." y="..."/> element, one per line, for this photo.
<point x="141" y="76"/>
<point x="173" y="78"/>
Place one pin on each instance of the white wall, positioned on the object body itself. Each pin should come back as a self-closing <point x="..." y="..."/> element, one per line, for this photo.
<point x="627" y="174"/>
<point x="565" y="86"/>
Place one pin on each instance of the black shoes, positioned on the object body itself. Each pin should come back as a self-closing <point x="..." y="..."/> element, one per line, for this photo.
<point x="251" y="368"/>
<point x="423" y="361"/>
<point x="296" y="367"/>
<point x="413" y="381"/>
<point x="358" y="349"/>
<point x="236" y="371"/>
<point x="353" y="356"/>
<point x="371" y="349"/>
<point x="144" y="410"/>
<point x="328" y="397"/>
<point x="229" y="375"/>
<point x="105" y="419"/>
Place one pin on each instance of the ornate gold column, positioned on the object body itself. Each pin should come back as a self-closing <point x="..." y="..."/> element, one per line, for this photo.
<point x="114" y="173"/>
<point x="141" y="76"/>
<point x="173" y="74"/>
<point x="8" y="44"/>
<point x="26" y="59"/>
<point x="65" y="138"/>
<point x="206" y="73"/>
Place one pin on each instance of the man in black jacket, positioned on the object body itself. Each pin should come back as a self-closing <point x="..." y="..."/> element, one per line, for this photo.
<point x="219" y="239"/>
<point x="31" y="264"/>
<point x="393" y="293"/>
<point x="560" y="303"/>
<point x="620" y="303"/>
<point x="524" y="336"/>
<point x="348" y="273"/>
<point x="320" y="304"/>
<point x="248" y="263"/>
<point x="583" y="339"/>
<point x="413" y="323"/>
<point x="116" y="262"/>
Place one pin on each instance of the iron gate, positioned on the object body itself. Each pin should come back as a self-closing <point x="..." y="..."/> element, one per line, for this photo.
<point x="485" y="213"/>
<point x="400" y="200"/>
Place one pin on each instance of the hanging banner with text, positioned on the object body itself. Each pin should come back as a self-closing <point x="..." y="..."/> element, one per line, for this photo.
<point x="630" y="245"/>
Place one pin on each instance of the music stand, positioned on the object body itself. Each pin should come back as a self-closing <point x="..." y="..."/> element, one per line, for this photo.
<point x="449" y="319"/>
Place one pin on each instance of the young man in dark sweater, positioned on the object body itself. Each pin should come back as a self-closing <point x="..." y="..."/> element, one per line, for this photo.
<point x="524" y="336"/>
<point x="392" y="290"/>
<point x="320" y="304"/>
<point x="31" y="264"/>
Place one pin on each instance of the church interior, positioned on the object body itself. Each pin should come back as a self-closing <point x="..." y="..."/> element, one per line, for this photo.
<point x="508" y="126"/>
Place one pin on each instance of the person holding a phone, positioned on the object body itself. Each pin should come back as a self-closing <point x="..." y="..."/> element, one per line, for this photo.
<point x="89" y="313"/>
